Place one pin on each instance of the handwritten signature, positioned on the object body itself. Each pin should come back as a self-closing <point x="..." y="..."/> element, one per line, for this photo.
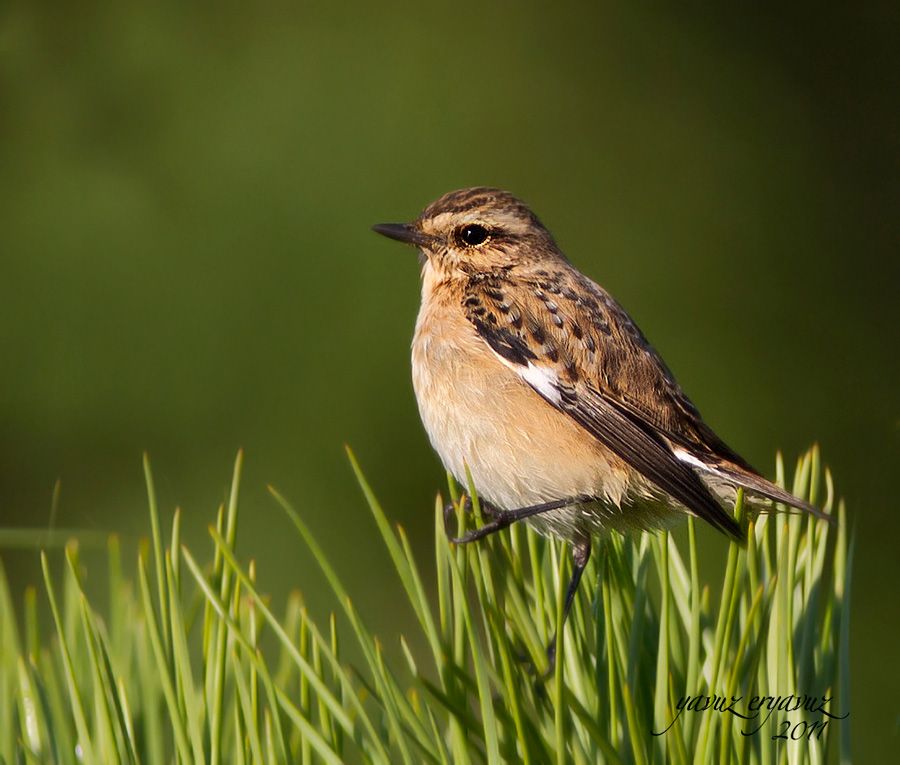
<point x="759" y="709"/>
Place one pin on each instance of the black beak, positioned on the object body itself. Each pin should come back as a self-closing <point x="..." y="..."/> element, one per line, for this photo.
<point x="402" y="232"/>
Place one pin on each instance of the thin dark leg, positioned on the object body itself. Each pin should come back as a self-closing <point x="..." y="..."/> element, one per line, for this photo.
<point x="581" y="554"/>
<point x="503" y="518"/>
<point x="487" y="511"/>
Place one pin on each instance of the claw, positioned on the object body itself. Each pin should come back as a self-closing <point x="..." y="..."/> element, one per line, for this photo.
<point x="465" y="504"/>
<point x="449" y="515"/>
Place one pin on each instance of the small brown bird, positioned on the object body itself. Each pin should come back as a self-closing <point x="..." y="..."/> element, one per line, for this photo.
<point x="530" y="374"/>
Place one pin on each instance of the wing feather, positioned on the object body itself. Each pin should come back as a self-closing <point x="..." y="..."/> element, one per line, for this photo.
<point x="541" y="350"/>
<point x="641" y="447"/>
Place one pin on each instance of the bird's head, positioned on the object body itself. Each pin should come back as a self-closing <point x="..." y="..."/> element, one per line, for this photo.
<point x="477" y="230"/>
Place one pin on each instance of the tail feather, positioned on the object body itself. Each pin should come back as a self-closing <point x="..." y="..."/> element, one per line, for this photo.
<point x="760" y="486"/>
<point x="751" y="482"/>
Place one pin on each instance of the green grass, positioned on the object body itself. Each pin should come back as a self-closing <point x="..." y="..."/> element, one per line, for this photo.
<point x="174" y="670"/>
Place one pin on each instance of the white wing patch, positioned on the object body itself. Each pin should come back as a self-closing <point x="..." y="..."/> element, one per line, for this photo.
<point x="691" y="460"/>
<point x="543" y="379"/>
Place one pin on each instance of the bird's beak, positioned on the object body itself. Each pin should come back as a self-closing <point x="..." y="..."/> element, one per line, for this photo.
<point x="402" y="232"/>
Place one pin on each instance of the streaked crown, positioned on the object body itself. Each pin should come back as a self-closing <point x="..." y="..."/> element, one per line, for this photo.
<point x="476" y="229"/>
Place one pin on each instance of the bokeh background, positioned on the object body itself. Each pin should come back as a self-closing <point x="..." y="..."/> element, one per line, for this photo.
<point x="185" y="199"/>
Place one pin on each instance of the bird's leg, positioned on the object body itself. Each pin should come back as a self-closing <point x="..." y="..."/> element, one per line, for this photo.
<point x="502" y="518"/>
<point x="465" y="502"/>
<point x="581" y="553"/>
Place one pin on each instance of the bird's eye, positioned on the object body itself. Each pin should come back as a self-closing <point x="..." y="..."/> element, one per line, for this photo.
<point x="473" y="235"/>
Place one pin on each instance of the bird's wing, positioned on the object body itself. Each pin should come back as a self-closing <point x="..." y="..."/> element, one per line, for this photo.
<point x="579" y="350"/>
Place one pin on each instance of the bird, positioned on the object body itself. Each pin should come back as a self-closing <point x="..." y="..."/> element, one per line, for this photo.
<point x="532" y="377"/>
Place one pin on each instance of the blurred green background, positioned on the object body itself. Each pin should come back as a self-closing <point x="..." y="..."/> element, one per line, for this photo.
<point x="186" y="192"/>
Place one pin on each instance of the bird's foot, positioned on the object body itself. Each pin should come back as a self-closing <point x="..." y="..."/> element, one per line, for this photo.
<point x="451" y="525"/>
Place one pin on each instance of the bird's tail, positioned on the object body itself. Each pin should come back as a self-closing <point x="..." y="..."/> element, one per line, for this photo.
<point x="759" y="486"/>
<point x="754" y="484"/>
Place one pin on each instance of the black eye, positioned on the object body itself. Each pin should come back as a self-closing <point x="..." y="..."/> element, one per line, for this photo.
<point x="473" y="235"/>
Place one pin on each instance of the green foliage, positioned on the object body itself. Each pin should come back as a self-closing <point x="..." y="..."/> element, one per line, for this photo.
<point x="174" y="670"/>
